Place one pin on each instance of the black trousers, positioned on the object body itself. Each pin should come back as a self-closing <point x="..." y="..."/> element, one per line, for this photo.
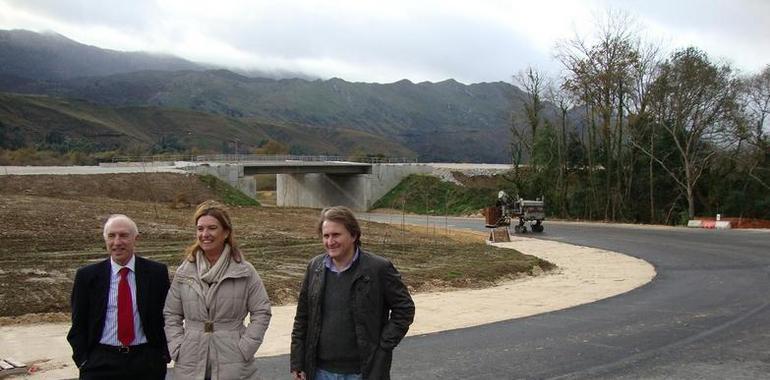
<point x="140" y="362"/>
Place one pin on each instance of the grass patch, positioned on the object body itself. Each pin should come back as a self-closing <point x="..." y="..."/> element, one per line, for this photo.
<point x="452" y="274"/>
<point x="229" y="195"/>
<point x="422" y="194"/>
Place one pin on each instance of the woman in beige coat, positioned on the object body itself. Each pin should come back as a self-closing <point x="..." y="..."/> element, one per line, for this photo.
<point x="212" y="292"/>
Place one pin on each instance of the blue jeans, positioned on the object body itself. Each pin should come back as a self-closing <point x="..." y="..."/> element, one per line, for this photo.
<point x="326" y="375"/>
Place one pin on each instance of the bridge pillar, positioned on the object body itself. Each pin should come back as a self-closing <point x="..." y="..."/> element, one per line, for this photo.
<point x="316" y="190"/>
<point x="357" y="191"/>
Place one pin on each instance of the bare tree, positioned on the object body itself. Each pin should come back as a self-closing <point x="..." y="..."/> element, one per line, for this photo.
<point x="692" y="101"/>
<point x="755" y="99"/>
<point x="564" y="102"/>
<point x="525" y="123"/>
<point x="601" y="77"/>
<point x="641" y="127"/>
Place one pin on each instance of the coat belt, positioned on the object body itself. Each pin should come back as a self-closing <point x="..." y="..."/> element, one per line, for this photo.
<point x="211" y="326"/>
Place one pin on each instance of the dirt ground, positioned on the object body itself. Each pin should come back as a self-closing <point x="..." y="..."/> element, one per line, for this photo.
<point x="583" y="275"/>
<point x="53" y="226"/>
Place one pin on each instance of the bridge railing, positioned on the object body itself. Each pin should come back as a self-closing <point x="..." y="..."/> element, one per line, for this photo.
<point x="262" y="157"/>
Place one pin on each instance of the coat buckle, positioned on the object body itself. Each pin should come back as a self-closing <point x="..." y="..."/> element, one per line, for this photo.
<point x="208" y="327"/>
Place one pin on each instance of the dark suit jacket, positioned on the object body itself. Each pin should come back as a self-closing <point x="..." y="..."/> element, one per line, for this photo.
<point x="89" y="305"/>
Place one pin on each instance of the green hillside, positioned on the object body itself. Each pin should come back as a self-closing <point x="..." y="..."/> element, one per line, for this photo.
<point x="446" y="121"/>
<point x="66" y="124"/>
<point x="137" y="98"/>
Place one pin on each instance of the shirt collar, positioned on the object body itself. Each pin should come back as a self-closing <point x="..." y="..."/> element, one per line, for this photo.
<point x="116" y="267"/>
<point x="330" y="264"/>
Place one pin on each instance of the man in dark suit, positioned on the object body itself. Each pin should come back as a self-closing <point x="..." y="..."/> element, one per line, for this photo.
<point x="117" y="311"/>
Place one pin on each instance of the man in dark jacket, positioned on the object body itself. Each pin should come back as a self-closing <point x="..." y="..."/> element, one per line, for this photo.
<point x="353" y="308"/>
<point x="117" y="311"/>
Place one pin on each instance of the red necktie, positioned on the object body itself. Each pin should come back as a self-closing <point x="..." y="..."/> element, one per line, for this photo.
<point x="125" y="310"/>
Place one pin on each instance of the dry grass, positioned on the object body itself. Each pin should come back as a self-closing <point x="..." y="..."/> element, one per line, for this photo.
<point x="49" y="234"/>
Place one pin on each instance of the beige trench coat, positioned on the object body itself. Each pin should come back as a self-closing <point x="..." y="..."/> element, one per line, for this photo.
<point x="216" y="334"/>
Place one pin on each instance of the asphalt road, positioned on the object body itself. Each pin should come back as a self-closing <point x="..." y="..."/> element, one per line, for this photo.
<point x="705" y="316"/>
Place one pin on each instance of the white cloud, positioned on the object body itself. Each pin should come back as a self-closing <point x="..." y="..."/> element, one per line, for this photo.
<point x="366" y="40"/>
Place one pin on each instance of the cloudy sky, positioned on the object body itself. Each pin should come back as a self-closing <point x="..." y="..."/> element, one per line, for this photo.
<point x="388" y="40"/>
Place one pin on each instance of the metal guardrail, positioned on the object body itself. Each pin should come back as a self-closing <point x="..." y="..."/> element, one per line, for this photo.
<point x="260" y="157"/>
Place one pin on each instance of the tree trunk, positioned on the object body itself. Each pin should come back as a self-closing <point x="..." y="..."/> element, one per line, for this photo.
<point x="652" y="173"/>
<point x="690" y="202"/>
<point x="563" y="165"/>
<point x="619" y="193"/>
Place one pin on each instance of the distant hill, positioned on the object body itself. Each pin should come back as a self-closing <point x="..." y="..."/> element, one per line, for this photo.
<point x="445" y="121"/>
<point x="34" y="119"/>
<point x="51" y="56"/>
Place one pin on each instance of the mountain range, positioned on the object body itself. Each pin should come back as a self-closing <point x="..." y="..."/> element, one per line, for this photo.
<point x="53" y="86"/>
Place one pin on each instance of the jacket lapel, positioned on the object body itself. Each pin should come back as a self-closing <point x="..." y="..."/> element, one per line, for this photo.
<point x="317" y="280"/>
<point x="359" y="270"/>
<point x="142" y="286"/>
<point x="102" y="282"/>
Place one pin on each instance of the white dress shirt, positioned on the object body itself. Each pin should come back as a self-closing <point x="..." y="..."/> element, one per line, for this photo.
<point x="110" y="332"/>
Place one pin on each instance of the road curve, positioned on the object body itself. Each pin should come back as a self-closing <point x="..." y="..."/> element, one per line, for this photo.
<point x="705" y="316"/>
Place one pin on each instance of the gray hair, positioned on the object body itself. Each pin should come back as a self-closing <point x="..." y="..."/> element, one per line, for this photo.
<point x="114" y="217"/>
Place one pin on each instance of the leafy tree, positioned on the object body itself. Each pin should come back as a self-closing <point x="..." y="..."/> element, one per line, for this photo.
<point x="54" y="139"/>
<point x="10" y="137"/>
<point x="168" y="144"/>
<point x="545" y="163"/>
<point x="272" y="147"/>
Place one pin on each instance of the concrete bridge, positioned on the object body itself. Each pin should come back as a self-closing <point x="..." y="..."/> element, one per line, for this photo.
<point x="317" y="184"/>
<point x="301" y="181"/>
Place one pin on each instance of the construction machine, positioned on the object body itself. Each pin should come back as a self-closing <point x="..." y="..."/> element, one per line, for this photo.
<point x="523" y="215"/>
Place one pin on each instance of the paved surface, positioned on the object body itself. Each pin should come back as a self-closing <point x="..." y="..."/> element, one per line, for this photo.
<point x="65" y="170"/>
<point x="705" y="316"/>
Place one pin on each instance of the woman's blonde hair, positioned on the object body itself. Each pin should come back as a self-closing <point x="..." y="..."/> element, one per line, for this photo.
<point x="219" y="212"/>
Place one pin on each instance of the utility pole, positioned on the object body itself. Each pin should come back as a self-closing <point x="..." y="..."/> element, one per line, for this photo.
<point x="235" y="141"/>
